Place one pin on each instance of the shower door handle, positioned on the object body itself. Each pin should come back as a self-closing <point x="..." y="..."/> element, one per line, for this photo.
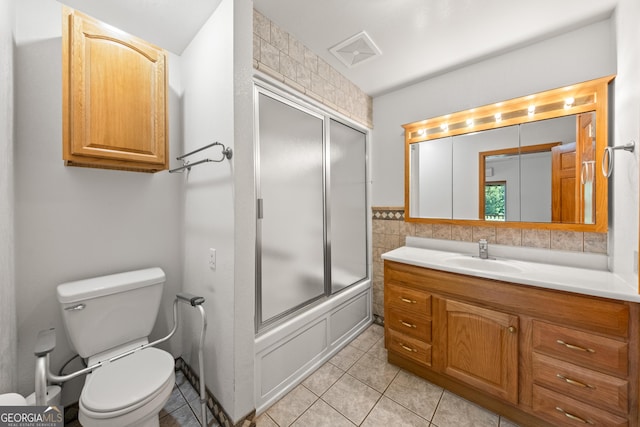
<point x="259" y="209"/>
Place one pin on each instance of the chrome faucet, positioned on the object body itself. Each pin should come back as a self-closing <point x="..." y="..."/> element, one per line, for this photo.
<point x="483" y="249"/>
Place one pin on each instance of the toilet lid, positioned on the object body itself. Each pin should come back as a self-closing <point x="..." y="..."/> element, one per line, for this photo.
<point x="127" y="381"/>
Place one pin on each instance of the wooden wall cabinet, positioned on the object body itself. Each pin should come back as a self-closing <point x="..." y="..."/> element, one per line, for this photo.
<point x="537" y="356"/>
<point x="114" y="98"/>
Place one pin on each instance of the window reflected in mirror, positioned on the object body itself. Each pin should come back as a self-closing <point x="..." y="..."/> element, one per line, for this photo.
<point x="535" y="166"/>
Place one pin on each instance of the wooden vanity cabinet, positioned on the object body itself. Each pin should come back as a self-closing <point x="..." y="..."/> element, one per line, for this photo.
<point x="114" y="98"/>
<point x="537" y="356"/>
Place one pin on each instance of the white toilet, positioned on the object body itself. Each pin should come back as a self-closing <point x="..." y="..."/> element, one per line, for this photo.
<point x="109" y="315"/>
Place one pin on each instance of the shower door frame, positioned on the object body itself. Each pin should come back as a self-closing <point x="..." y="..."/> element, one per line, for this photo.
<point x="319" y="111"/>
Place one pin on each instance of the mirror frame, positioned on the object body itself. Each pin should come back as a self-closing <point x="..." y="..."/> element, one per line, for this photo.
<point x="588" y="96"/>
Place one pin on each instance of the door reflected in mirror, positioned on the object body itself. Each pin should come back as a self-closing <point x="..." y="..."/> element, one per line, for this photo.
<point x="529" y="162"/>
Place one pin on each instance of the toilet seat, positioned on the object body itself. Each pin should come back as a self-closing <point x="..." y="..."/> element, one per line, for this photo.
<point x="126" y="384"/>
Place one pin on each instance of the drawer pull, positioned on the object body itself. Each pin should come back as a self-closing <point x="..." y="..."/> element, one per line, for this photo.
<point x="574" y="382"/>
<point x="573" y="417"/>
<point x="413" y="350"/>
<point x="575" y="347"/>
<point x="408" y="301"/>
<point x="408" y="325"/>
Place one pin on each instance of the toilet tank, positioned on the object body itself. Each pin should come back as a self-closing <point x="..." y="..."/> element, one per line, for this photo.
<point x="103" y="313"/>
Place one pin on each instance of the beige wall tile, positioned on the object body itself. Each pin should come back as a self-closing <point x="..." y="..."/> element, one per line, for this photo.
<point x="310" y="60"/>
<point x="567" y="240"/>
<point x="536" y="238"/>
<point x="256" y="47"/>
<point x="269" y="55"/>
<point x="287" y="66"/>
<point x="462" y="233"/>
<point x="488" y="233"/>
<point x="442" y="231"/>
<point x="303" y="76"/>
<point x="423" y="230"/>
<point x="296" y="49"/>
<point x="279" y="38"/>
<point x="509" y="236"/>
<point x="595" y="242"/>
<point x="261" y="25"/>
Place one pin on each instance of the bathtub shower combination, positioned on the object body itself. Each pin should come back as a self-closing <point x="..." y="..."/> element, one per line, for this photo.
<point x="312" y="280"/>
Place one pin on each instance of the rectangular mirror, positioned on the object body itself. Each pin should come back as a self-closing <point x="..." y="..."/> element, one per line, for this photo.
<point x="528" y="162"/>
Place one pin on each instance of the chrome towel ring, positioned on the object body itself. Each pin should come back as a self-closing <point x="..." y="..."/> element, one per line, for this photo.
<point x="607" y="157"/>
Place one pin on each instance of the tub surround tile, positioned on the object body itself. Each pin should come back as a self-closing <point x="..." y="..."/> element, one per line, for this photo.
<point x="388" y="413"/>
<point x="290" y="62"/>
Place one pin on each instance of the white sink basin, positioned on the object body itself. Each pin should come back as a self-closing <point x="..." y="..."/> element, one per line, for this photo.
<point x="488" y="265"/>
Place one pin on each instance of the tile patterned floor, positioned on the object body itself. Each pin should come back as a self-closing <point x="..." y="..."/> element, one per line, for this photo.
<point x="183" y="407"/>
<point x="357" y="387"/>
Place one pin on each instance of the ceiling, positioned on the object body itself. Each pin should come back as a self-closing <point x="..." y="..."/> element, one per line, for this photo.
<point x="418" y="38"/>
<point x="169" y="24"/>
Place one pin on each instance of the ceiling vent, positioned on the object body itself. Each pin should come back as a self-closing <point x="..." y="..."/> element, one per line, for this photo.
<point x="356" y="50"/>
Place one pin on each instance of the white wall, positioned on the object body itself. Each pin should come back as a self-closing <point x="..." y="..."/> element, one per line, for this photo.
<point x="73" y="223"/>
<point x="623" y="236"/>
<point x="8" y="339"/>
<point x="577" y="56"/>
<point x="217" y="107"/>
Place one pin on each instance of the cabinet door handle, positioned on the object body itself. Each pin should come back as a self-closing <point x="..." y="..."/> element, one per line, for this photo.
<point x="573" y="417"/>
<point x="413" y="350"/>
<point x="408" y="301"/>
<point x="512" y="329"/>
<point x="574" y="382"/>
<point x="575" y="347"/>
<point x="408" y="325"/>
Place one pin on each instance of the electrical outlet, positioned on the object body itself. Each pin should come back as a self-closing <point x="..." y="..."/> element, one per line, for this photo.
<point x="212" y="258"/>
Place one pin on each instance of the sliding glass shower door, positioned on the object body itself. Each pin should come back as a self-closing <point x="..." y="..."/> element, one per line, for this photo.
<point x="348" y="214"/>
<point x="291" y="207"/>
<point x="311" y="226"/>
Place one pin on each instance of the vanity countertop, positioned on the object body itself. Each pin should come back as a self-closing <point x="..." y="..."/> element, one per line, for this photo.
<point x="571" y="279"/>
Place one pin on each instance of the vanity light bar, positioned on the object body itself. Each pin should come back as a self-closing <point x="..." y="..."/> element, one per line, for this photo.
<point x="572" y="99"/>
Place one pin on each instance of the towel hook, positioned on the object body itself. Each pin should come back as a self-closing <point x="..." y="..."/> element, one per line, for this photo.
<point x="607" y="157"/>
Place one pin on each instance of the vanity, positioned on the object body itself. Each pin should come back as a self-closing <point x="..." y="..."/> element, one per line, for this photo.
<point x="519" y="338"/>
<point x="539" y="343"/>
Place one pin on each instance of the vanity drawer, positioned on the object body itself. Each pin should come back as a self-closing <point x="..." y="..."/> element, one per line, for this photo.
<point x="581" y="348"/>
<point x="409" y="323"/>
<point x="409" y="347"/>
<point x="601" y="390"/>
<point x="563" y="410"/>
<point x="408" y="299"/>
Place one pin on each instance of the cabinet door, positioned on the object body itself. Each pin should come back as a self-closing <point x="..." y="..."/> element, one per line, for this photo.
<point x="480" y="347"/>
<point x="114" y="97"/>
